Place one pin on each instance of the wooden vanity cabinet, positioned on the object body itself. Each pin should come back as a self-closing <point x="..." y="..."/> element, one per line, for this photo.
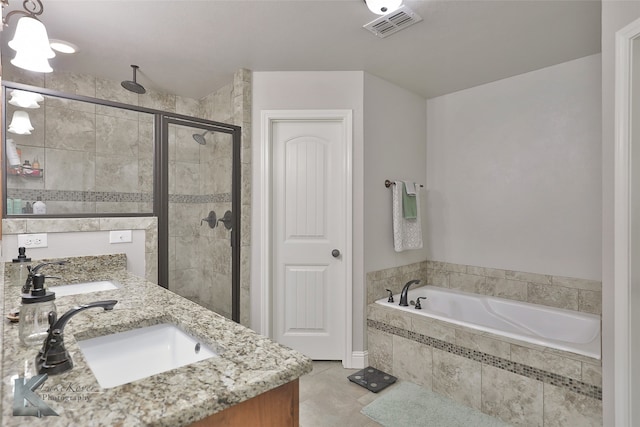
<point x="275" y="408"/>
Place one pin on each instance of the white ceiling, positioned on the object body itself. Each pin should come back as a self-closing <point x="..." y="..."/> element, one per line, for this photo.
<point x="192" y="48"/>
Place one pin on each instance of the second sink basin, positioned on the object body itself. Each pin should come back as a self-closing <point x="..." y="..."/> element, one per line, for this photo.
<point x="128" y="356"/>
<point x="83" y="288"/>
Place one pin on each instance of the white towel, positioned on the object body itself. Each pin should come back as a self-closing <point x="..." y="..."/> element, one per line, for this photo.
<point x="407" y="233"/>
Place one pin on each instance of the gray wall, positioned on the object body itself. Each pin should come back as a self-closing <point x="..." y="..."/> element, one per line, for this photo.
<point x="513" y="173"/>
<point x="395" y="131"/>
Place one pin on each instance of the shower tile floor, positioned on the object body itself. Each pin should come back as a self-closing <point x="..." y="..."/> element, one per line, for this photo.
<point x="329" y="399"/>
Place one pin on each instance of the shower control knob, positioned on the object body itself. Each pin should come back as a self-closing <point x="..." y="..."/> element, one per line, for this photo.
<point x="335" y="253"/>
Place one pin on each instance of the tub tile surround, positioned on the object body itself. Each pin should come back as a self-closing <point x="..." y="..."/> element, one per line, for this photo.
<point x="512" y="397"/>
<point x="520" y="383"/>
<point x="553" y="291"/>
<point x="466" y="376"/>
<point x="393" y="279"/>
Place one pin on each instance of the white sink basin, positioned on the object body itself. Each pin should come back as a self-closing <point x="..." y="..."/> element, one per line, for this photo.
<point x="140" y="353"/>
<point x="83" y="288"/>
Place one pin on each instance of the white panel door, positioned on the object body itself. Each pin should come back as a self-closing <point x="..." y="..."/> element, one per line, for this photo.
<point x="309" y="202"/>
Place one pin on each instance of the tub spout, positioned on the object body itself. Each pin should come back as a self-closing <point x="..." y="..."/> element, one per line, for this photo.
<point x="405" y="291"/>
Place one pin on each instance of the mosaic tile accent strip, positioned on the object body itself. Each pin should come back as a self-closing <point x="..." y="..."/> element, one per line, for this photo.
<point x="195" y="198"/>
<point x="106" y="196"/>
<point x="79" y="196"/>
<point x="488" y="359"/>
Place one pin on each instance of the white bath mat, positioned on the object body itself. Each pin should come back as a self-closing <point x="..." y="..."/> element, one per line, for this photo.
<point x="409" y="405"/>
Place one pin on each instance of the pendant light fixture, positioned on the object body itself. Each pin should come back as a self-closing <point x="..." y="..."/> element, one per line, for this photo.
<point x="382" y="7"/>
<point x="24" y="99"/>
<point x="20" y="123"/>
<point x="30" y="41"/>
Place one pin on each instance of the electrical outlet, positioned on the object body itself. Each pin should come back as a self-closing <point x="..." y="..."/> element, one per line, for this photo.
<point x="32" y="240"/>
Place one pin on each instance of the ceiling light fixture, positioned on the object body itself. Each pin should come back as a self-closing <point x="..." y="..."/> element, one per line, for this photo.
<point x="30" y="40"/>
<point x="20" y="123"/>
<point x="63" y="46"/>
<point x="24" y="99"/>
<point x="382" y="7"/>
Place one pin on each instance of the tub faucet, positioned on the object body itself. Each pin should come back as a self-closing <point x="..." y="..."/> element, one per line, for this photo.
<point x="54" y="358"/>
<point x="405" y="291"/>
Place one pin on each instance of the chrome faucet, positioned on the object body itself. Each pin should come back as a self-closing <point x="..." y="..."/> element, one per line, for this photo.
<point x="405" y="291"/>
<point x="54" y="358"/>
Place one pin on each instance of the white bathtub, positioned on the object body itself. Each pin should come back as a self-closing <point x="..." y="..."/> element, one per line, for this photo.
<point x="537" y="324"/>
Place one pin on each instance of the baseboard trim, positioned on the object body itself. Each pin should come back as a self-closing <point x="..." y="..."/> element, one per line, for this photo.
<point x="359" y="360"/>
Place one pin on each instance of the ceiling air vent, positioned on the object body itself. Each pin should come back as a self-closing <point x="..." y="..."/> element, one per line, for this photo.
<point x="393" y="22"/>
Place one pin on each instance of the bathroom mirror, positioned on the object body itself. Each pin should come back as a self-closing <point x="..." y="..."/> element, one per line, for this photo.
<point x="69" y="156"/>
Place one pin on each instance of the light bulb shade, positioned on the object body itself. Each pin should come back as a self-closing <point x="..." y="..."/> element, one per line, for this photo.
<point x="20" y="123"/>
<point x="31" y="37"/>
<point x="382" y="7"/>
<point x="63" y="46"/>
<point x="24" y="99"/>
<point x="37" y="63"/>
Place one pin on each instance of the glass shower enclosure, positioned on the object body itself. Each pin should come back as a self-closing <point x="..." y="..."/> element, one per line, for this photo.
<point x="90" y="157"/>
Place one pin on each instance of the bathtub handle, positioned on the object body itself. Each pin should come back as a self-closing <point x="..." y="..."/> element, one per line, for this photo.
<point x="418" y="306"/>
<point x="390" y="295"/>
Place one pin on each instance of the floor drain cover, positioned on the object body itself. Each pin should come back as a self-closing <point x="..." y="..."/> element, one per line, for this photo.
<point x="372" y="379"/>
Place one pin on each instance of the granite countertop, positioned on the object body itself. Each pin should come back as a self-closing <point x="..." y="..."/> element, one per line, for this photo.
<point x="249" y="364"/>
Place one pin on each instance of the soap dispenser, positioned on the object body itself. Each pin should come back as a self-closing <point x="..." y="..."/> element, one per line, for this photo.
<point x="21" y="267"/>
<point x="34" y="313"/>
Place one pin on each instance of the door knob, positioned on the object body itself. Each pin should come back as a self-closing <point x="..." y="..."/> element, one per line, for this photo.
<point x="335" y="253"/>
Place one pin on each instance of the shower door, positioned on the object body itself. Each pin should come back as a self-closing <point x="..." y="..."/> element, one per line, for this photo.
<point x="198" y="221"/>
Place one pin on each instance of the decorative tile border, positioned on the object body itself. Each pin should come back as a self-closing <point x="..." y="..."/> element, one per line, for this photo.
<point x="497" y="362"/>
<point x="79" y="196"/>
<point x="207" y="198"/>
<point x="107" y="196"/>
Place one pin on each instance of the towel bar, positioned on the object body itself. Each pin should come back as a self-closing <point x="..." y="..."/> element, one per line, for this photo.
<point x="388" y="183"/>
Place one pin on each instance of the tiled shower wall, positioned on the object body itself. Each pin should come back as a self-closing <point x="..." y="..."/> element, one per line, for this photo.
<point x="96" y="159"/>
<point x="201" y="183"/>
<point x="520" y="383"/>
<point x="197" y="185"/>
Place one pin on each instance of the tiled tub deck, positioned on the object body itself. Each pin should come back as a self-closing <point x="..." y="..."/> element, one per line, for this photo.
<point x="521" y="383"/>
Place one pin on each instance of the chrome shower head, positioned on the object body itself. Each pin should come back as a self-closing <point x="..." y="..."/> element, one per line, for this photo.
<point x="199" y="137"/>
<point x="133" y="86"/>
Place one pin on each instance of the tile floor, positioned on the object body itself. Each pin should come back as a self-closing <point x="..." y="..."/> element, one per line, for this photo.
<point x="329" y="399"/>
